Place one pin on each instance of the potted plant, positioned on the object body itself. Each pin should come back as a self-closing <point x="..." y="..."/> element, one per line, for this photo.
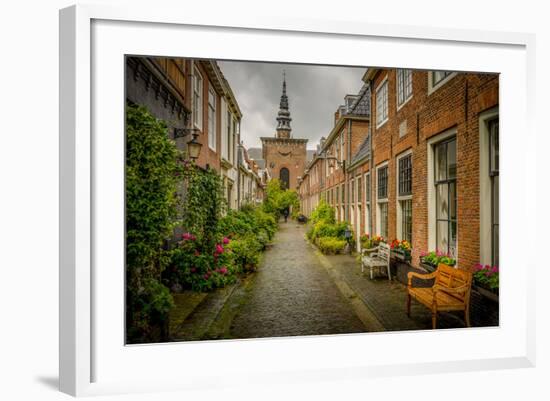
<point x="370" y="244"/>
<point x="486" y="281"/>
<point x="430" y="260"/>
<point x="401" y="250"/>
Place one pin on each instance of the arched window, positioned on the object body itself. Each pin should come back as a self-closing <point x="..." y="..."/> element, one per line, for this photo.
<point x="284" y="176"/>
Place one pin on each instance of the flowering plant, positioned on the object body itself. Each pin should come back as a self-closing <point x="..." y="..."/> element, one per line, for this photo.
<point x="434" y="258"/>
<point x="200" y="268"/>
<point x="403" y="245"/>
<point x="370" y="242"/>
<point x="486" y="276"/>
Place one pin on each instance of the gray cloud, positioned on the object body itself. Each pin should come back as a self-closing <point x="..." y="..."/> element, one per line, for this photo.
<point x="314" y="94"/>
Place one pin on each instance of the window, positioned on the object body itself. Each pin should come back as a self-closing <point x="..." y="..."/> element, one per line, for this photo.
<point x="382" y="104"/>
<point x="212" y="119"/>
<point x="404" y="86"/>
<point x="404" y="198"/>
<point x="284" y="176"/>
<point x="439" y="76"/>
<point x="229" y="135"/>
<point x="437" y="79"/>
<point x="352" y="186"/>
<point x="337" y="146"/>
<point x="359" y="191"/>
<point x="445" y="194"/>
<point x="234" y="141"/>
<point x="343" y="193"/>
<point x="197" y="99"/>
<point x="342" y="149"/>
<point x="382" y="201"/>
<point x="383" y="182"/>
<point x="494" y="177"/>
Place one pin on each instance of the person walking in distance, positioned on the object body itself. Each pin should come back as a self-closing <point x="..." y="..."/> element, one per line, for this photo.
<point x="285" y="213"/>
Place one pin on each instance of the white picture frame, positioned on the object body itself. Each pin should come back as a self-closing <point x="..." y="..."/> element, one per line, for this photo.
<point x="93" y="357"/>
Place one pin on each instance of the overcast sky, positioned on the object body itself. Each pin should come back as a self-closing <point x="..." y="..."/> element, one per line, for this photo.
<point x="314" y="93"/>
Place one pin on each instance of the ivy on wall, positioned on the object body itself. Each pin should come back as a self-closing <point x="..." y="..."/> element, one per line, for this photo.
<point x="152" y="173"/>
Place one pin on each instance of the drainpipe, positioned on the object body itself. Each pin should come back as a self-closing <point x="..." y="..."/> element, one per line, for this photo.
<point x="348" y="158"/>
<point x="239" y="176"/>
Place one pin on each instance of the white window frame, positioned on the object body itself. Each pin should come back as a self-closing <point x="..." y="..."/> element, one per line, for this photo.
<point x="399" y="198"/>
<point x="198" y="85"/>
<point x="432" y="218"/>
<point x="212" y="121"/>
<point x="342" y="146"/>
<point x="225" y="121"/>
<point x="380" y="201"/>
<point x="485" y="237"/>
<point x="433" y="87"/>
<point x="366" y="182"/>
<point x="397" y="86"/>
<point x="382" y="85"/>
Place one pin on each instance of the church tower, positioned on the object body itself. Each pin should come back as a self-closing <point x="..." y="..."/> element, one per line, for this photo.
<point x="283" y="117"/>
<point x="285" y="156"/>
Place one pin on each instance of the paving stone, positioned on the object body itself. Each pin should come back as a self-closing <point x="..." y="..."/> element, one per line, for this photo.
<point x="292" y="294"/>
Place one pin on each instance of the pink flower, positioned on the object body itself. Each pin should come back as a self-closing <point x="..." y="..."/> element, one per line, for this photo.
<point x="186" y="236"/>
<point x="219" y="248"/>
<point x="225" y="240"/>
<point x="206" y="276"/>
<point x="494" y="269"/>
<point x="223" y="270"/>
<point x="193" y="269"/>
<point x="478" y="266"/>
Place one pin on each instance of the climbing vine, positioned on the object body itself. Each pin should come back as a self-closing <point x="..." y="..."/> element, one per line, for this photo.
<point x="152" y="173"/>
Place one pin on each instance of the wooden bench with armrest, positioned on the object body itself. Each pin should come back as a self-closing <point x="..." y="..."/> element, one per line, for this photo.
<point x="450" y="292"/>
<point x="379" y="259"/>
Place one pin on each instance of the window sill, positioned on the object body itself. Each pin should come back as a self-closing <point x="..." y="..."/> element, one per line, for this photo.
<point x="400" y="106"/>
<point x="382" y="123"/>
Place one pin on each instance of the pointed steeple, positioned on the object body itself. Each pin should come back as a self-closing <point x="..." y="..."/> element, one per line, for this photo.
<point x="283" y="117"/>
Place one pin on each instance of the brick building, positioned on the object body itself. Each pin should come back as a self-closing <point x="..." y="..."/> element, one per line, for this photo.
<point x="328" y="174"/>
<point x="284" y="156"/>
<point x="427" y="170"/>
<point x="193" y="96"/>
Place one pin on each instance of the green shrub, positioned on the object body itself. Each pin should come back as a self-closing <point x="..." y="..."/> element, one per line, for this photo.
<point x="324" y="212"/>
<point x="325" y="229"/>
<point x="246" y="253"/>
<point x="152" y="172"/>
<point x="330" y="245"/>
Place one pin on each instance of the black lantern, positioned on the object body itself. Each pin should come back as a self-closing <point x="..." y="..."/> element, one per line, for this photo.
<point x="194" y="147"/>
<point x="347" y="234"/>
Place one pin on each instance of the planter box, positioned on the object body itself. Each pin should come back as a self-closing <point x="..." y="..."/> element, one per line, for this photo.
<point x="427" y="267"/>
<point x="484" y="307"/>
<point x="492" y="296"/>
<point x="400" y="270"/>
<point x="400" y="254"/>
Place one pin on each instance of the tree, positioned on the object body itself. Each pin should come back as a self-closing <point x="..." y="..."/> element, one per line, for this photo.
<point x="278" y="199"/>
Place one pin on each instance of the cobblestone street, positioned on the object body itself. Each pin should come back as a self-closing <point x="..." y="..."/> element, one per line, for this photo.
<point x="292" y="294"/>
<point x="299" y="291"/>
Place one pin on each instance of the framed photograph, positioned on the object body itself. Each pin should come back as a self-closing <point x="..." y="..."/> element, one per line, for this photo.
<point x="294" y="200"/>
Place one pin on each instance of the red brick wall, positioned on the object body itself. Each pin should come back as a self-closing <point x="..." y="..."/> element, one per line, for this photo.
<point x="456" y="104"/>
<point x="275" y="151"/>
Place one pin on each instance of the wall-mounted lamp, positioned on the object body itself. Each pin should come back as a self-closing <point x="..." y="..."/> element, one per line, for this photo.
<point x="193" y="146"/>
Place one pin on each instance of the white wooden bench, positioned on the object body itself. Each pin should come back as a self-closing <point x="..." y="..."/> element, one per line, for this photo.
<point x="378" y="259"/>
